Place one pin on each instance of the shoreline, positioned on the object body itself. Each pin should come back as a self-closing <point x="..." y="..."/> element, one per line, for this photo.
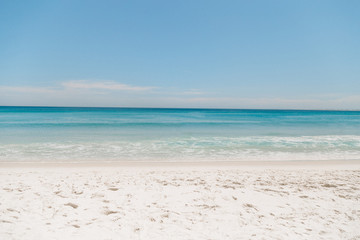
<point x="317" y="164"/>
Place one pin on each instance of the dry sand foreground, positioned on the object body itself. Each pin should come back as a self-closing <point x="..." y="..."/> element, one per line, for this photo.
<point x="179" y="202"/>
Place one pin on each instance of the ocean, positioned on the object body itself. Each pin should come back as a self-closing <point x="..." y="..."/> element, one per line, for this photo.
<point x="76" y="134"/>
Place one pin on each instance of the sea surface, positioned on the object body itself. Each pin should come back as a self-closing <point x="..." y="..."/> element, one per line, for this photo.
<point x="69" y="134"/>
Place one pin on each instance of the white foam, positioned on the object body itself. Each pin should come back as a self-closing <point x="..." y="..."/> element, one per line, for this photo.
<point x="192" y="148"/>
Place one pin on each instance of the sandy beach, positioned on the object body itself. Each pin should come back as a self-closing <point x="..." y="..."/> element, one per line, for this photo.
<point x="264" y="200"/>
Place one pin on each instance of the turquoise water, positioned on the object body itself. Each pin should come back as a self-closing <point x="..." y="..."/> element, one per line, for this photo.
<point x="118" y="134"/>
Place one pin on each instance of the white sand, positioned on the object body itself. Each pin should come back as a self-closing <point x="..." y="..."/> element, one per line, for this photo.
<point x="194" y="201"/>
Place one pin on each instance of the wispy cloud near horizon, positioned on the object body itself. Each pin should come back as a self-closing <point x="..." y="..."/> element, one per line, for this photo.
<point x="76" y="84"/>
<point x="107" y="85"/>
<point x="106" y="94"/>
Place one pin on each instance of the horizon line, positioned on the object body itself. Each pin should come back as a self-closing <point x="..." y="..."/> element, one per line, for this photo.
<point x="194" y="108"/>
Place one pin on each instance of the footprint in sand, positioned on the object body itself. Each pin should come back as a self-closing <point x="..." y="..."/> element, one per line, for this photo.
<point x="73" y="205"/>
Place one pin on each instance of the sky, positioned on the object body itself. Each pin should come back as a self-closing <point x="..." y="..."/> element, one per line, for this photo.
<point x="277" y="54"/>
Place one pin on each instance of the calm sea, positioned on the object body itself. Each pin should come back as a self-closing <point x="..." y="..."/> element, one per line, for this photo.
<point x="135" y="134"/>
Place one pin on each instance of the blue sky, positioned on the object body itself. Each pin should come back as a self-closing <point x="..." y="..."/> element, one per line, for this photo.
<point x="231" y="54"/>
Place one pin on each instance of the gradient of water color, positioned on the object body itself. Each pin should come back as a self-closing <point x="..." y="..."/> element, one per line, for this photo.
<point x="135" y="134"/>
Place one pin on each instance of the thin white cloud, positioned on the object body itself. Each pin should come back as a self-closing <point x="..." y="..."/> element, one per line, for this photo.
<point x="85" y="93"/>
<point x="109" y="85"/>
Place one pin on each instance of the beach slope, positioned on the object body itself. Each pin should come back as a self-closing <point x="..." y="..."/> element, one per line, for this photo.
<point x="187" y="201"/>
